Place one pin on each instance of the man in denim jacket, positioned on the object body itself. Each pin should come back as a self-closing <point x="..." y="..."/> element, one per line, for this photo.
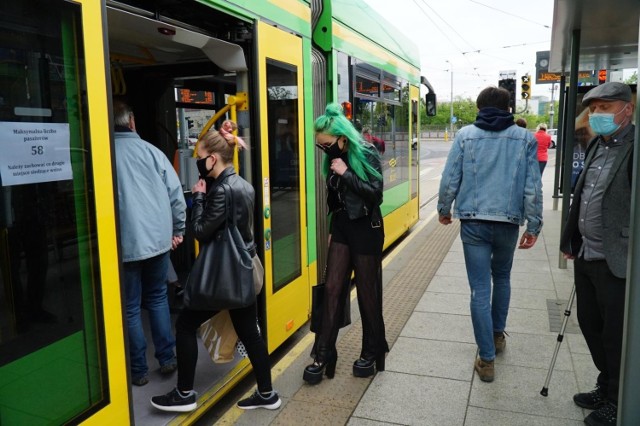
<point x="492" y="173"/>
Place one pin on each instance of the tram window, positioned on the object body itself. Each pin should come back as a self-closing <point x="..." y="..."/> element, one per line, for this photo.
<point x="50" y="332"/>
<point x="389" y="123"/>
<point x="365" y="86"/>
<point x="284" y="154"/>
<point x="390" y="93"/>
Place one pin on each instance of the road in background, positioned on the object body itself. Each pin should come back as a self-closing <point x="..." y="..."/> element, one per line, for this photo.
<point x="433" y="155"/>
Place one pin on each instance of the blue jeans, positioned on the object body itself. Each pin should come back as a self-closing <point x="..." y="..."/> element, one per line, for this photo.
<point x="146" y="287"/>
<point x="488" y="253"/>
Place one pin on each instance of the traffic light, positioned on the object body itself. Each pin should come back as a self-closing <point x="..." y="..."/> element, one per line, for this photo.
<point x="602" y="76"/>
<point x="510" y="85"/>
<point x="346" y="109"/>
<point x="526" y="87"/>
<point x="189" y="123"/>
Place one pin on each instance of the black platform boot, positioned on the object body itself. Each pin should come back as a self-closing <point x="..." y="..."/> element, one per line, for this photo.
<point x="363" y="367"/>
<point x="322" y="365"/>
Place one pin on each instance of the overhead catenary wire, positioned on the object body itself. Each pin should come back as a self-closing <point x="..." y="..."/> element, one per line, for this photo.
<point x="473" y="48"/>
<point x="510" y="14"/>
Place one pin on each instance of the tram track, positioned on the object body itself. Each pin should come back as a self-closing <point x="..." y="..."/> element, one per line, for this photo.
<point x="429" y="200"/>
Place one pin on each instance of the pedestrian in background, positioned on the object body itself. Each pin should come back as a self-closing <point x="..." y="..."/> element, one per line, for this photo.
<point x="354" y="194"/>
<point x="521" y="122"/>
<point x="215" y="153"/>
<point x="492" y="175"/>
<point x="152" y="214"/>
<point x="544" y="142"/>
<point x="596" y="236"/>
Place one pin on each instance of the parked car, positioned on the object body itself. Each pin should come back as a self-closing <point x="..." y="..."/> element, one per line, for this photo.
<point x="554" y="134"/>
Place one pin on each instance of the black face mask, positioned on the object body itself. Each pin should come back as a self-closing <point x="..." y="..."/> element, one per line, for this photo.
<point x="202" y="167"/>
<point x="333" y="150"/>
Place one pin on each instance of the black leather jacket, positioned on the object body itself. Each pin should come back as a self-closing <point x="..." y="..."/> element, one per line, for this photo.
<point x="357" y="197"/>
<point x="208" y="212"/>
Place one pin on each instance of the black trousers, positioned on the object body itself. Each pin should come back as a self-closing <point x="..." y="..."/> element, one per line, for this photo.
<point x="601" y="317"/>
<point x="355" y="246"/>
<point x="244" y="322"/>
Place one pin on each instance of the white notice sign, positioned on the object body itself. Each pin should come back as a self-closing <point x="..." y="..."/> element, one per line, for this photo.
<point x="34" y="152"/>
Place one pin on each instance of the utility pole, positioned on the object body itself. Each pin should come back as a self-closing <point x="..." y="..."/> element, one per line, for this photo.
<point x="451" y="109"/>
<point x="551" y="106"/>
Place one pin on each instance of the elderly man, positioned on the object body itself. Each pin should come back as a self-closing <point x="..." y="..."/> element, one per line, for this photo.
<point x="596" y="236"/>
<point x="152" y="214"/>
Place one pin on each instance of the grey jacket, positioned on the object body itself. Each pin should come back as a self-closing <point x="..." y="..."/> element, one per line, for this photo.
<point x="616" y="210"/>
<point x="150" y="199"/>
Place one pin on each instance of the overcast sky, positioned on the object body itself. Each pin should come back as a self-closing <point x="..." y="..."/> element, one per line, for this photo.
<point x="479" y="38"/>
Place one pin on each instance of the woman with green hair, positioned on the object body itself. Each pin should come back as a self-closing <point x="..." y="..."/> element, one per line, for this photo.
<point x="354" y="194"/>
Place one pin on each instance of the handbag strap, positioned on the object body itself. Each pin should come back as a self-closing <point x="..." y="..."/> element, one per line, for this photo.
<point x="230" y="207"/>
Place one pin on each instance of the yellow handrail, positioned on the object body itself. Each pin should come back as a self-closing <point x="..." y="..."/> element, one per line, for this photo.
<point x="234" y="103"/>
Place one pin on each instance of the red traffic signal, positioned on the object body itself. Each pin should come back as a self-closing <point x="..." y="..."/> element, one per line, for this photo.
<point x="602" y="76"/>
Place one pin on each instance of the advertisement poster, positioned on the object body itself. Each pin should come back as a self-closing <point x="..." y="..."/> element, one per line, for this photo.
<point x="34" y="152"/>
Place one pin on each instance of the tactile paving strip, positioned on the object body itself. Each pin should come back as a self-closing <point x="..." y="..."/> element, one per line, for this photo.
<point x="556" y="310"/>
<point x="331" y="402"/>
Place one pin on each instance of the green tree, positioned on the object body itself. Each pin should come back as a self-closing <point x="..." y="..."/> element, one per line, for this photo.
<point x="633" y="79"/>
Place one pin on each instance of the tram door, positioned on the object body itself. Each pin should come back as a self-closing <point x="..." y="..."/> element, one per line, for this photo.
<point x="282" y="183"/>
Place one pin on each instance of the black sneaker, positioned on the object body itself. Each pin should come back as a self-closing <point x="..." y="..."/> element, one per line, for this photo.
<point x="606" y="415"/>
<point x="590" y="400"/>
<point x="256" y="400"/>
<point x="173" y="401"/>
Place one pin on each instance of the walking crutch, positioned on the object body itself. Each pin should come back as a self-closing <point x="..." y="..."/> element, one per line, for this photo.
<point x="567" y="313"/>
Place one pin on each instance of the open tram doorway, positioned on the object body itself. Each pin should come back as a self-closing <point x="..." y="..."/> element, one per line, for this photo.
<point x="177" y="67"/>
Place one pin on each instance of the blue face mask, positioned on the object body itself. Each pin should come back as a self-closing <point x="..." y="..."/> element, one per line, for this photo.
<point x="604" y="123"/>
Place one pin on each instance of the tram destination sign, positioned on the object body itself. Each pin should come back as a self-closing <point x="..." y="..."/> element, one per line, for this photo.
<point x="34" y="152"/>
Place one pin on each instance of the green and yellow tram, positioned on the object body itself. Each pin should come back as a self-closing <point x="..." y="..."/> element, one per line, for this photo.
<point x="269" y="64"/>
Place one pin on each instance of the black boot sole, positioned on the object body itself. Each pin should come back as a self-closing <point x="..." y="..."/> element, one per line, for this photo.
<point x="312" y="378"/>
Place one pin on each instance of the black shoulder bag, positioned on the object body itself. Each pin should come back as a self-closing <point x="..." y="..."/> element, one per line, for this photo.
<point x="222" y="274"/>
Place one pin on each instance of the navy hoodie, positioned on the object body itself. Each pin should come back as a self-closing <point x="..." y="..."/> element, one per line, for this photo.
<point x="493" y="119"/>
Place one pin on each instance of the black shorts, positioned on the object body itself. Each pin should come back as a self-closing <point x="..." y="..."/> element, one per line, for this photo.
<point x="358" y="234"/>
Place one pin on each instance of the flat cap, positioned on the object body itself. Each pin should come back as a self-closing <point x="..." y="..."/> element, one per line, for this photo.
<point x="611" y="91"/>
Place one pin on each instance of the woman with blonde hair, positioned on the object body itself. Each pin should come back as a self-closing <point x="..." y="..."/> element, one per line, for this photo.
<point x="215" y="160"/>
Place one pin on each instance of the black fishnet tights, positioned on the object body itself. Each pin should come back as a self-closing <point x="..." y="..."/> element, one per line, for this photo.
<point x="368" y="276"/>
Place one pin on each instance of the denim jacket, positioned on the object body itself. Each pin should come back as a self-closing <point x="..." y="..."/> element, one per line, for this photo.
<point x="150" y="198"/>
<point x="493" y="176"/>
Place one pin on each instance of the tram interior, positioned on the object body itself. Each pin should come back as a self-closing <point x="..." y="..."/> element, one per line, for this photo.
<point x="175" y="78"/>
<point x="176" y="66"/>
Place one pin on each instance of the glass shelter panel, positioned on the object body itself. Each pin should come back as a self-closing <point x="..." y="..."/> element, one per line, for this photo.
<point x="50" y="330"/>
<point x="284" y="169"/>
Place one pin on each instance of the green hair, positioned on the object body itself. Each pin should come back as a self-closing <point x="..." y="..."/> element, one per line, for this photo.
<point x="334" y="123"/>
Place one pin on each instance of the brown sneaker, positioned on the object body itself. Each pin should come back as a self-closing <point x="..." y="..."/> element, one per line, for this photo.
<point x="499" y="341"/>
<point x="485" y="369"/>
